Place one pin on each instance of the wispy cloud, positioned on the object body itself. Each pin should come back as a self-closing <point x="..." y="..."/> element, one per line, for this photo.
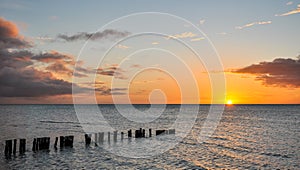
<point x="155" y="43"/>
<point x="289" y="3"/>
<point x="295" y="11"/>
<point x="202" y="21"/>
<point x="279" y="72"/>
<point x="106" y="34"/>
<point x="221" y="33"/>
<point x="253" y="24"/>
<point x="183" y="35"/>
<point x="122" y="46"/>
<point x="198" y="39"/>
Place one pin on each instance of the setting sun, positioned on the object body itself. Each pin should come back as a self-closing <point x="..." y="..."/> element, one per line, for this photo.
<point x="229" y="102"/>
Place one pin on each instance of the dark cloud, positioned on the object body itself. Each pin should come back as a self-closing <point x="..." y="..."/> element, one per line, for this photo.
<point x="106" y="34"/>
<point x="104" y="90"/>
<point x="52" y="56"/>
<point x="112" y="71"/>
<point x="280" y="72"/>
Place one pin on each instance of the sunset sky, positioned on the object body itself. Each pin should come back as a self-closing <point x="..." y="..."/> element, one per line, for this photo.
<point x="42" y="42"/>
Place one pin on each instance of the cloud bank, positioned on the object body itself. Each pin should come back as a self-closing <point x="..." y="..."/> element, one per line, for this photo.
<point x="295" y="11"/>
<point x="279" y="72"/>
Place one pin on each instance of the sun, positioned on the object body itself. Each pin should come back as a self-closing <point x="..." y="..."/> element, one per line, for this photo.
<point x="229" y="102"/>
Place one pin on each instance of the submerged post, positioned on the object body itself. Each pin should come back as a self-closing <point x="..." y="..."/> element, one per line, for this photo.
<point x="61" y="141"/>
<point x="122" y="135"/>
<point x="34" y="145"/>
<point x="108" y="137"/>
<point x="87" y="139"/>
<point x="96" y="139"/>
<point x="129" y="133"/>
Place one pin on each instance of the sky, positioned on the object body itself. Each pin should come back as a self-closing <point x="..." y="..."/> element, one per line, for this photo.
<point x="190" y="52"/>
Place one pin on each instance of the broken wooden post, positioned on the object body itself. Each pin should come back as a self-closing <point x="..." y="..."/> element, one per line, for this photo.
<point x="87" y="139"/>
<point x="15" y="147"/>
<point x="22" y="146"/>
<point x="55" y="143"/>
<point x="115" y="136"/>
<point x="122" y="135"/>
<point x="150" y="132"/>
<point x="8" y="148"/>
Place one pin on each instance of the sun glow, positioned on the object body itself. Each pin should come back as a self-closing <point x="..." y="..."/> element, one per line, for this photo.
<point x="229" y="102"/>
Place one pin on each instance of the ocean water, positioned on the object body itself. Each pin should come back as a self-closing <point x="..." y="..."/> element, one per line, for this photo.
<point x="247" y="137"/>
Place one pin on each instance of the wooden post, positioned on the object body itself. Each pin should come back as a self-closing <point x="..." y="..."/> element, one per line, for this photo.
<point x="122" y="135"/>
<point x="115" y="136"/>
<point x="55" y="143"/>
<point x="150" y="132"/>
<point x="87" y="139"/>
<point x="96" y="139"/>
<point x="159" y="132"/>
<point x="47" y="143"/>
<point x="129" y="133"/>
<point x="171" y="131"/>
<point x="101" y="137"/>
<point x="22" y="146"/>
<point x="15" y="147"/>
<point x="69" y="141"/>
<point x="144" y="132"/>
<point x="61" y="141"/>
<point x="34" y="145"/>
<point x="8" y="148"/>
<point x="108" y="137"/>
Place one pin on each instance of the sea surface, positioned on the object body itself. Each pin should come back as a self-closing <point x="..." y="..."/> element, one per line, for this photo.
<point x="247" y="137"/>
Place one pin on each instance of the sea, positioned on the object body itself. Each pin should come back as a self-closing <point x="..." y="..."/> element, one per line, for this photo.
<point x="245" y="137"/>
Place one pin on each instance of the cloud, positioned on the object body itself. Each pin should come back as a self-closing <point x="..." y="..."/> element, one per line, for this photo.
<point x="112" y="70"/>
<point x="155" y="43"/>
<point x="183" y="35"/>
<point x="105" y="91"/>
<point x="9" y="36"/>
<point x="202" y="21"/>
<point x="106" y="34"/>
<point x="295" y="11"/>
<point x="198" y="39"/>
<point x="253" y="24"/>
<point x="279" y="72"/>
<point x="221" y="33"/>
<point x="122" y="46"/>
<point x="289" y="3"/>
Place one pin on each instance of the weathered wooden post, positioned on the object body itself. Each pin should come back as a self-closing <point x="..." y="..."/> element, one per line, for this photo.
<point x="61" y="141"/>
<point x="8" y="148"/>
<point x="15" y="147"/>
<point x="87" y="139"/>
<point x="69" y="141"/>
<point x="122" y="135"/>
<point x="150" y="132"/>
<point x="144" y="132"/>
<point x="101" y="137"/>
<point x="47" y="143"/>
<point x="55" y="143"/>
<point x="96" y="139"/>
<point x="22" y="146"/>
<point x="34" y="145"/>
<point x="159" y="132"/>
<point x="129" y="133"/>
<point x="108" y="137"/>
<point x="115" y="136"/>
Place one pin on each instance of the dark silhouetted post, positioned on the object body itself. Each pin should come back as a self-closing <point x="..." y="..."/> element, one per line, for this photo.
<point x="96" y="139"/>
<point x="34" y="145"/>
<point x="61" y="141"/>
<point x="150" y="132"/>
<point x="22" y="146"/>
<point x="144" y="132"/>
<point x="122" y="135"/>
<point x="87" y="139"/>
<point x="8" y="148"/>
<point x="130" y="133"/>
<point x="108" y="137"/>
<point x="55" y="143"/>
<point x="15" y="147"/>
